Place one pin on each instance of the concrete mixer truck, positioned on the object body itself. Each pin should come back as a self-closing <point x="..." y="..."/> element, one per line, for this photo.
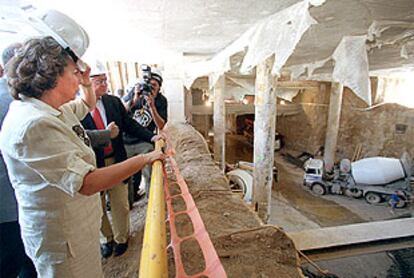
<point x="377" y="179"/>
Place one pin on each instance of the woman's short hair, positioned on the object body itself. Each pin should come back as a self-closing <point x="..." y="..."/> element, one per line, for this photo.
<point x="36" y="67"/>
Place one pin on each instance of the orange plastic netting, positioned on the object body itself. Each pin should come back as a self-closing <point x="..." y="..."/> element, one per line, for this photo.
<point x="213" y="267"/>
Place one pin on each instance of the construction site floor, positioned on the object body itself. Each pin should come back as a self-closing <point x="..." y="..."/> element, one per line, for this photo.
<point x="294" y="208"/>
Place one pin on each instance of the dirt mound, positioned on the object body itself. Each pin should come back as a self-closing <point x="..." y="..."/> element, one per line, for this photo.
<point x="245" y="246"/>
<point x="261" y="252"/>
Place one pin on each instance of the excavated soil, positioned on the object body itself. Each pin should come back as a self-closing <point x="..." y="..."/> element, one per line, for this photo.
<point x="245" y="246"/>
<point x="261" y="252"/>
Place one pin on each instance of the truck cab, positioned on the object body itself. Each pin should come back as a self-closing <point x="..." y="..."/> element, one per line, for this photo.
<point x="313" y="172"/>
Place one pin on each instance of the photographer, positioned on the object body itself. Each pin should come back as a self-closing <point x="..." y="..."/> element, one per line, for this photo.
<point x="148" y="107"/>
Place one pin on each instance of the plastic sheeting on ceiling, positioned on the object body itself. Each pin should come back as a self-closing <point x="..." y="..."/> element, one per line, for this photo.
<point x="352" y="64"/>
<point x="146" y="31"/>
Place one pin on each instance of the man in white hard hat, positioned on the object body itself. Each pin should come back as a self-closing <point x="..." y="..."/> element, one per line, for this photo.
<point x="109" y="108"/>
<point x="150" y="111"/>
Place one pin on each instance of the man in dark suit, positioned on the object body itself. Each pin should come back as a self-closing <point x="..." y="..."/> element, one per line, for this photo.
<point x="110" y="109"/>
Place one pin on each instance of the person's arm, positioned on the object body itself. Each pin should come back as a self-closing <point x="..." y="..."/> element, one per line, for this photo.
<point x="131" y="127"/>
<point x="87" y="94"/>
<point x="159" y="121"/>
<point x="99" y="137"/>
<point x="62" y="163"/>
<point x="128" y="100"/>
<point x="104" y="178"/>
<point x="102" y="137"/>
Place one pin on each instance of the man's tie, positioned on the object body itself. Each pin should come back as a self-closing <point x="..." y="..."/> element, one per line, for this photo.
<point x="97" y="118"/>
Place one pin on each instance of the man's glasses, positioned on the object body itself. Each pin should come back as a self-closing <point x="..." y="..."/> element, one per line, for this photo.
<point x="100" y="82"/>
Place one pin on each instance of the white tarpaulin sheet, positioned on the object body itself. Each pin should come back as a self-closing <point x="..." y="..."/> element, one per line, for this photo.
<point x="278" y="34"/>
<point x="248" y="87"/>
<point x="351" y="67"/>
<point x="247" y="84"/>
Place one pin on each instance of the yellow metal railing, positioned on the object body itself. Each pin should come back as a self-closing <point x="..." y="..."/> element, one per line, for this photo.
<point x="154" y="252"/>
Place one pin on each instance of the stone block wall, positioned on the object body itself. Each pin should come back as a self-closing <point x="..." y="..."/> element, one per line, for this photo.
<point x="385" y="130"/>
<point x="306" y="131"/>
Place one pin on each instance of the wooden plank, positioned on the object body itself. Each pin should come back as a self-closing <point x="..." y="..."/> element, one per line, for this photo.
<point x="126" y="73"/>
<point x="243" y="109"/>
<point x="298" y="84"/>
<point x="290" y="84"/>
<point x="353" y="234"/>
<point x="358" y="249"/>
<point x="121" y="79"/>
<point x="111" y="79"/>
<point x="136" y="70"/>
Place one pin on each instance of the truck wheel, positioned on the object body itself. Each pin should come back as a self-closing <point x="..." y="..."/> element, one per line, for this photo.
<point x="353" y="192"/>
<point x="401" y="204"/>
<point x="318" y="189"/>
<point x="239" y="183"/>
<point x="373" y="198"/>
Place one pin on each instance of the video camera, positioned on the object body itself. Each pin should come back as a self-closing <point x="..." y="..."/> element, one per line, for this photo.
<point x="145" y="86"/>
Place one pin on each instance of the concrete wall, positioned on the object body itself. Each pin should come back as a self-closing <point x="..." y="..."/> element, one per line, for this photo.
<point x="385" y="130"/>
<point x="306" y="131"/>
<point x="201" y="123"/>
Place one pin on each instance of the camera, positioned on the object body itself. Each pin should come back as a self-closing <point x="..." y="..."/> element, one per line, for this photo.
<point x="145" y="86"/>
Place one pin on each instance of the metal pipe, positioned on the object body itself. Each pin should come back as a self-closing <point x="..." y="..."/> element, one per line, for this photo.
<point x="154" y="253"/>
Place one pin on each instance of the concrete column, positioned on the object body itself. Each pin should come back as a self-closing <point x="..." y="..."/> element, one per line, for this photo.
<point x="188" y="105"/>
<point x="264" y="139"/>
<point x="206" y="126"/>
<point x="173" y="85"/>
<point x="219" y="118"/>
<point x="335" y="104"/>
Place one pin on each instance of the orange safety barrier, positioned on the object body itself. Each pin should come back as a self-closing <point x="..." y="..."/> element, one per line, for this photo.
<point x="214" y="268"/>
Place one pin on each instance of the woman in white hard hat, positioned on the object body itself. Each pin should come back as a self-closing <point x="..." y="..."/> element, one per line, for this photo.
<point x="51" y="164"/>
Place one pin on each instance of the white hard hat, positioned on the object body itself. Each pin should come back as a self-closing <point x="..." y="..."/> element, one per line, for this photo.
<point x="97" y="68"/>
<point x="70" y="35"/>
<point x="156" y="74"/>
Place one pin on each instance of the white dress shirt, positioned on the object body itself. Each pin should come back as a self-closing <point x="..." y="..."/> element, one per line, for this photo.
<point x="102" y="111"/>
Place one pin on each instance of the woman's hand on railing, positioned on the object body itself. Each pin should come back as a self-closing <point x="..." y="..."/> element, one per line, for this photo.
<point x="153" y="156"/>
<point x="158" y="137"/>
